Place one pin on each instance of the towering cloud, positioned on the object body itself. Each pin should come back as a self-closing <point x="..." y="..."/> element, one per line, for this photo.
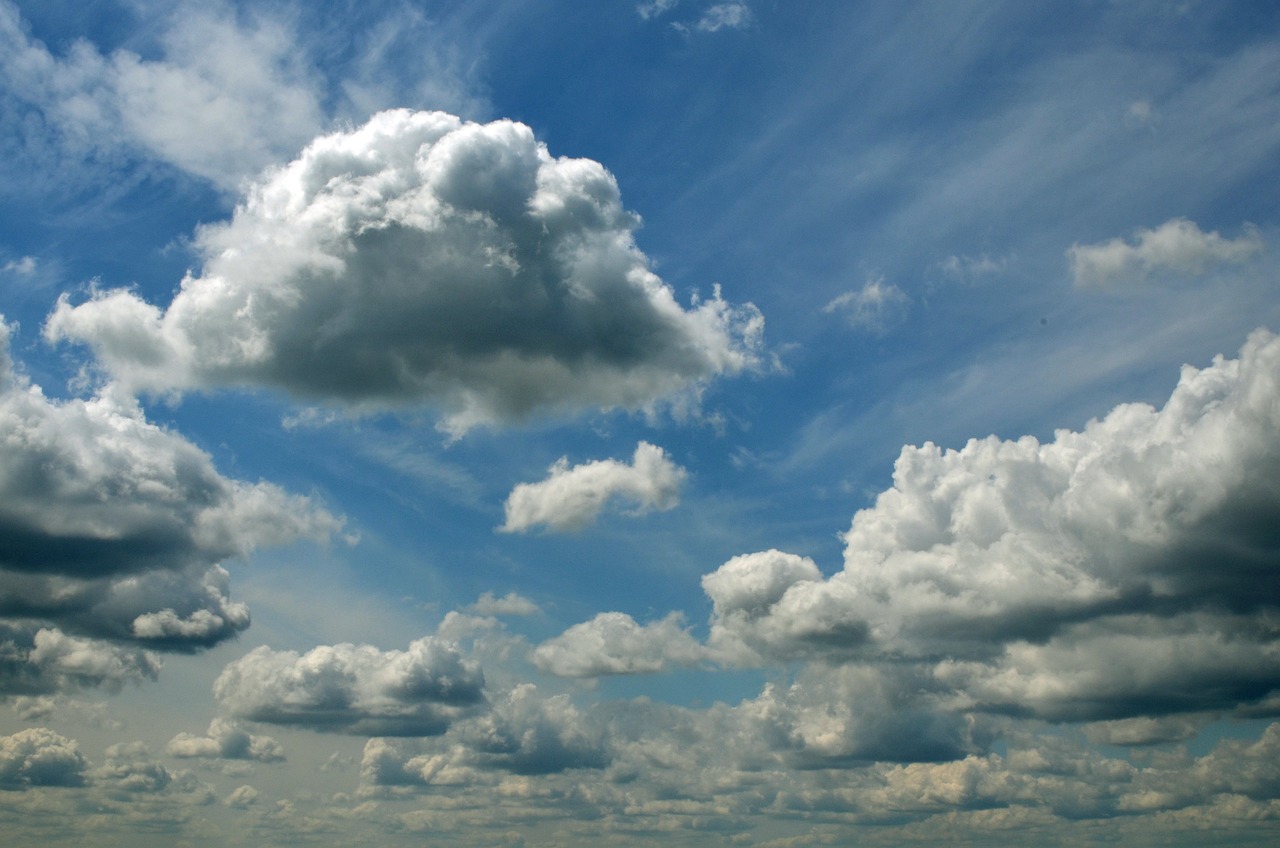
<point x="420" y="258"/>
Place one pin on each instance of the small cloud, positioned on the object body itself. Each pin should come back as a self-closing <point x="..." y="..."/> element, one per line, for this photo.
<point x="1177" y="247"/>
<point x="873" y="307"/>
<point x="571" y="497"/>
<point x="969" y="268"/>
<point x="242" y="797"/>
<point x="25" y="267"/>
<point x="724" y="16"/>
<point x="655" y="8"/>
<point x="508" y="604"/>
<point x="1140" y="112"/>
<point x="614" y="643"/>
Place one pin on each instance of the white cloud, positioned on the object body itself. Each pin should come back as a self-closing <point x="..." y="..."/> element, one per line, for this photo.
<point x="39" y="757"/>
<point x="873" y="307"/>
<point x="509" y="604"/>
<point x="418" y="259"/>
<point x="572" y="496"/>
<point x="226" y="740"/>
<point x="242" y="797"/>
<point x="357" y="689"/>
<point x="614" y="643"/>
<point x="1106" y="574"/>
<point x="25" y="267"/>
<point x="655" y="8"/>
<point x="1178" y="247"/>
<point x="720" y="16"/>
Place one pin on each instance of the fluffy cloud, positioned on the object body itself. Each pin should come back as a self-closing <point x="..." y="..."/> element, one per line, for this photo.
<point x="112" y="527"/>
<point x="524" y="733"/>
<point x="48" y="660"/>
<point x="614" y="643"/>
<point x="40" y="757"/>
<point x="356" y="689"/>
<point x="1177" y="246"/>
<point x="511" y="604"/>
<point x="571" y="497"/>
<point x="420" y="258"/>
<point x="1110" y="573"/>
<point x="226" y="740"/>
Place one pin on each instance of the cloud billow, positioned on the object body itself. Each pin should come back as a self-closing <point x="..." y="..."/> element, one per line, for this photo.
<point x="111" y="534"/>
<point x="570" y="498"/>
<point x="355" y="689"/>
<point x="423" y="259"/>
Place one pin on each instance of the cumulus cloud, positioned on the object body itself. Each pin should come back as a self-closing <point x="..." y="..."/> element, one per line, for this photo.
<point x="423" y="259"/>
<point x="1177" y="247"/>
<point x="873" y="307"/>
<point x="614" y="643"/>
<point x="524" y="732"/>
<point x="572" y="496"/>
<point x="1110" y="573"/>
<point x="112" y="528"/>
<point x="39" y="757"/>
<point x="355" y="689"/>
<point x="226" y="740"/>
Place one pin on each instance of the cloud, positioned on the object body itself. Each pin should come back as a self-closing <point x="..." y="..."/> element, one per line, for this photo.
<point x="48" y="660"/>
<point x="509" y="604"/>
<point x="112" y="528"/>
<point x="224" y="99"/>
<point x="129" y="770"/>
<point x="614" y="643"/>
<point x="734" y="15"/>
<point x="524" y="733"/>
<point x="571" y="497"/>
<point x="655" y="8"/>
<point x="39" y="757"/>
<point x="423" y="259"/>
<point x="226" y="740"/>
<point x="873" y="307"/>
<point x="356" y="689"/>
<point x="242" y="797"/>
<point x="1177" y="247"/>
<point x="24" y="267"/>
<point x="1114" y="572"/>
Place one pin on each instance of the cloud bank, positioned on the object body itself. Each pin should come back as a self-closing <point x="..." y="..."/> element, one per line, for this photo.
<point x="423" y="259"/>
<point x="572" y="497"/>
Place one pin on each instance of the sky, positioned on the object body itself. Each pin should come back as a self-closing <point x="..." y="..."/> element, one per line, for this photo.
<point x="743" y="423"/>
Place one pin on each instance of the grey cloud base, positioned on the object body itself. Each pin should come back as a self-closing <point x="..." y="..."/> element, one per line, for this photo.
<point x="423" y="259"/>
<point x="111" y="534"/>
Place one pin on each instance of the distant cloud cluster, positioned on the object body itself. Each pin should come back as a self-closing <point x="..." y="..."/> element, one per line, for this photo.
<point x="572" y="497"/>
<point x="1177" y="247"/>
<point x="1064" y="580"/>
<point x="423" y="259"/>
<point x="714" y="17"/>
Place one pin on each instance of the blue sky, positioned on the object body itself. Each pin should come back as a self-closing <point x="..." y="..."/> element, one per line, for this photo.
<point x="742" y="423"/>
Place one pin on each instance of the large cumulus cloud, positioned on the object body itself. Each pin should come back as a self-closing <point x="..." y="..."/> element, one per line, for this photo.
<point x="1123" y="570"/>
<point x="421" y="258"/>
<point x="111" y="534"/>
